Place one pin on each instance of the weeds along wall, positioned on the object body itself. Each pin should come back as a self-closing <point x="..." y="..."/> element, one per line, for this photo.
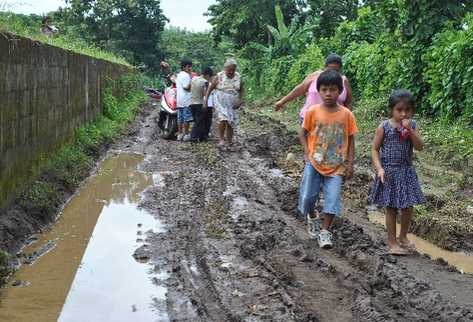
<point x="45" y="94"/>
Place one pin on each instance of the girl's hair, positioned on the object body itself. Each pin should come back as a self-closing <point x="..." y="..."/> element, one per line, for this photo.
<point x="330" y="77"/>
<point x="45" y="19"/>
<point x="401" y="95"/>
<point x="333" y="59"/>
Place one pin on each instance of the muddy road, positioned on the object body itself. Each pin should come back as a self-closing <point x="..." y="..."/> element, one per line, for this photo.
<point x="235" y="252"/>
<point x="231" y="248"/>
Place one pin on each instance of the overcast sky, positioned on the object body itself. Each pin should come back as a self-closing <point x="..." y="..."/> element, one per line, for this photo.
<point x="181" y="13"/>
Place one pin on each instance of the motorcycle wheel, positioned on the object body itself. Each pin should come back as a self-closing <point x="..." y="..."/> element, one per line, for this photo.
<point x="168" y="126"/>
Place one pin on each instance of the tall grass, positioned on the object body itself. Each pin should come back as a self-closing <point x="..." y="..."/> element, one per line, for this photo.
<point x="29" y="26"/>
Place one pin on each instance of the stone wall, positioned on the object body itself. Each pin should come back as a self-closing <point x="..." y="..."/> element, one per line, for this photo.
<point x="45" y="93"/>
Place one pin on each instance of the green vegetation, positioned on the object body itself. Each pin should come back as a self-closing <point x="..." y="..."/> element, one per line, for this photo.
<point x="4" y="266"/>
<point x="197" y="46"/>
<point x="29" y="26"/>
<point x="130" y="29"/>
<point x="66" y="169"/>
<point x="424" y="46"/>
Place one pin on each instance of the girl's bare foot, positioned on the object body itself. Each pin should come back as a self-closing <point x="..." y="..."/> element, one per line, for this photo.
<point x="406" y="244"/>
<point x="398" y="251"/>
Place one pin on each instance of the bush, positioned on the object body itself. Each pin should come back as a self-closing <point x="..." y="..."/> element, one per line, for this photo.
<point x="449" y="72"/>
<point x="309" y="61"/>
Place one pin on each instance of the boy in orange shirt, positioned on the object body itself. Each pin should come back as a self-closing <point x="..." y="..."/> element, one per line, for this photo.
<point x="329" y="150"/>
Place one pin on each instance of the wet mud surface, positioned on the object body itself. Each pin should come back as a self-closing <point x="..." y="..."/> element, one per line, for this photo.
<point x="234" y="251"/>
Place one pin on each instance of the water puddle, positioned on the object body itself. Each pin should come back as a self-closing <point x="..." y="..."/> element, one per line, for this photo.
<point x="462" y="261"/>
<point x="90" y="273"/>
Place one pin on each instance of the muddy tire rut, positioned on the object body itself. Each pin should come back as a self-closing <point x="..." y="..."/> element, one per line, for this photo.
<point x="234" y="251"/>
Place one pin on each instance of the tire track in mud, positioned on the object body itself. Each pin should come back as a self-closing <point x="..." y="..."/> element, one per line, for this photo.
<point x="235" y="252"/>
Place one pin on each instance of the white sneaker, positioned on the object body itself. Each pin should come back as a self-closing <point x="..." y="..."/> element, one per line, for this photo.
<point x="180" y="136"/>
<point x="313" y="226"/>
<point x="186" y="138"/>
<point x="325" y="239"/>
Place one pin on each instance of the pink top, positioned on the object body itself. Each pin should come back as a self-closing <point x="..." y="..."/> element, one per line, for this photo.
<point x="313" y="96"/>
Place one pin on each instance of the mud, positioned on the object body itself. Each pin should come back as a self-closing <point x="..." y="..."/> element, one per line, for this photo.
<point x="234" y="251"/>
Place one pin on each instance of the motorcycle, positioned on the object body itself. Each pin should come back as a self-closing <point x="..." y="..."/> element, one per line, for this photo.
<point x="167" y="122"/>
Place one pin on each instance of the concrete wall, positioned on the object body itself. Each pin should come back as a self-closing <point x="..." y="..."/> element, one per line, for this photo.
<point x="45" y="93"/>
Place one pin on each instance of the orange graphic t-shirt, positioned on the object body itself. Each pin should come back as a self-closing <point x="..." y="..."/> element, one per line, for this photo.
<point x="327" y="140"/>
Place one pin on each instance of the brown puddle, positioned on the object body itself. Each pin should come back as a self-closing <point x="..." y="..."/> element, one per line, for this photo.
<point x="462" y="261"/>
<point x="92" y="264"/>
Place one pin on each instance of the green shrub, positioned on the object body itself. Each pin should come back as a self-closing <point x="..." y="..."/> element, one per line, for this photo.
<point x="40" y="197"/>
<point x="449" y="72"/>
<point x="309" y="61"/>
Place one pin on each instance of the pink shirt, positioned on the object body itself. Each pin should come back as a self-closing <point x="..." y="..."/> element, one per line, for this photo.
<point x="313" y="96"/>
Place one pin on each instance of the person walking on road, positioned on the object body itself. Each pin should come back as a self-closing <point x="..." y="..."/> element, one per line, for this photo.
<point x="396" y="187"/>
<point x="228" y="99"/>
<point x="329" y="149"/>
<point x="202" y="116"/>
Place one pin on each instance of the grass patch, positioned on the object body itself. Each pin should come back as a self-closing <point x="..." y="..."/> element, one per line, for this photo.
<point x="65" y="169"/>
<point x="4" y="267"/>
<point x="28" y="27"/>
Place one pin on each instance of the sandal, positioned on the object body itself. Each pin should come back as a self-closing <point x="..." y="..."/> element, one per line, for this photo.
<point x="409" y="245"/>
<point x="398" y="251"/>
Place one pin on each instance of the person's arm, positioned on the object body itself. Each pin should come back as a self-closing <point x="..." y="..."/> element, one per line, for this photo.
<point x="303" y="133"/>
<point x="187" y="88"/>
<point x="299" y="90"/>
<point x="212" y="86"/>
<point x="378" y="140"/>
<point x="351" y="157"/>
<point x="414" y="135"/>
<point x="349" y="99"/>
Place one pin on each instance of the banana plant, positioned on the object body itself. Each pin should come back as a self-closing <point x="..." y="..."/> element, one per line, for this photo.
<point x="287" y="40"/>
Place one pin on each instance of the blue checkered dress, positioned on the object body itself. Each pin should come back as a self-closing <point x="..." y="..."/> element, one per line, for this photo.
<point x="401" y="187"/>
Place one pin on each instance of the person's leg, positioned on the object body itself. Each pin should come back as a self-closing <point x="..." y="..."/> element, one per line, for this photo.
<point x="221" y="132"/>
<point x="185" y="127"/>
<point x="391" y="214"/>
<point x="208" y="122"/>
<point x="309" y="190"/>
<point x="406" y="217"/>
<point x="229" y="133"/>
<point x="187" y="119"/>
<point x="180" y="120"/>
<point x="308" y="195"/>
<point x="196" y="128"/>
<point x="332" y="190"/>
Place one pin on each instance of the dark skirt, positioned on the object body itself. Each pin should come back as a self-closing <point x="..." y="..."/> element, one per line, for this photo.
<point x="401" y="188"/>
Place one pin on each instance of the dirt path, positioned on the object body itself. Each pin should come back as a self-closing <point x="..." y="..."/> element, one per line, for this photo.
<point x="234" y="251"/>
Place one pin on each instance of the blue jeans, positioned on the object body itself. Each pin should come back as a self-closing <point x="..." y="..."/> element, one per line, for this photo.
<point x="184" y="115"/>
<point x="312" y="182"/>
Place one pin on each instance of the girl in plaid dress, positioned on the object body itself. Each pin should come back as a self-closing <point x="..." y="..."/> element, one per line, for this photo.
<point x="396" y="186"/>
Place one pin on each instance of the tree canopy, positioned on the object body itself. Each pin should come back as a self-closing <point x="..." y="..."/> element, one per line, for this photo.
<point x="132" y="28"/>
<point x="245" y="21"/>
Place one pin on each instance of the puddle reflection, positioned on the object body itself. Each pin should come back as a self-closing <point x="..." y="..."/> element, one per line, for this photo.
<point x="95" y="236"/>
<point x="462" y="261"/>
